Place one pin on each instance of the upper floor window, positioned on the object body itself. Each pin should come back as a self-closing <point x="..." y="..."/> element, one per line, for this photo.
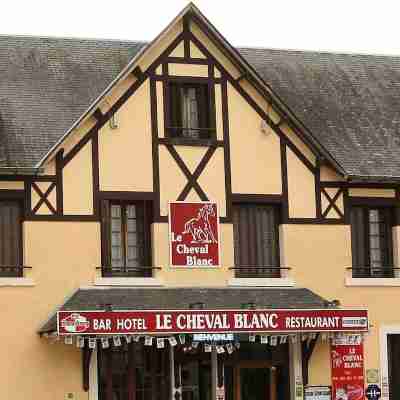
<point x="371" y="239"/>
<point x="189" y="111"/>
<point x="10" y="239"/>
<point x="126" y="238"/>
<point x="256" y="239"/>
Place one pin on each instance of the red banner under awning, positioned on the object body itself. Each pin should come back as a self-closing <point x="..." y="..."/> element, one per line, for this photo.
<point x="215" y="321"/>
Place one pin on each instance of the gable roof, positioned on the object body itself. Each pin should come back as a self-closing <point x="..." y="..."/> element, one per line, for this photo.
<point x="348" y="103"/>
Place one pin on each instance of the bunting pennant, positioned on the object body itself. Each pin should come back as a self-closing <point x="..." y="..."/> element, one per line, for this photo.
<point x="148" y="340"/>
<point x="207" y="348"/>
<point x="230" y="348"/>
<point x="172" y="341"/>
<point x="128" y="339"/>
<point x="182" y="339"/>
<point x="283" y="339"/>
<point x="160" y="343"/>
<point x="252" y="338"/>
<point x="105" y="344"/>
<point x="92" y="343"/>
<point x="220" y="349"/>
<point x="117" y="341"/>
<point x="80" y="342"/>
<point x="264" y="339"/>
<point x="68" y="340"/>
<point x="273" y="340"/>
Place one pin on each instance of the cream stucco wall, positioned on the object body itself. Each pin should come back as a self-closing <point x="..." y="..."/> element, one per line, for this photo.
<point x="301" y="188"/>
<point x="10" y="185"/>
<point x="255" y="156"/>
<point x="78" y="183"/>
<point x="63" y="256"/>
<point x="125" y="156"/>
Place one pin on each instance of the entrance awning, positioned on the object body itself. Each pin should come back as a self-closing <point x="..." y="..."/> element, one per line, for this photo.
<point x="132" y="300"/>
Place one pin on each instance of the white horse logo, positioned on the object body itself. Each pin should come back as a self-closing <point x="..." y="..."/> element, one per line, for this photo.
<point x="200" y="227"/>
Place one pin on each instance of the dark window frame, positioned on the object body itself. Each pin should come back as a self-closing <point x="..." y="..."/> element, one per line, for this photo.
<point x="252" y="270"/>
<point x="206" y="108"/>
<point x="14" y="270"/>
<point x="365" y="269"/>
<point x="144" y="269"/>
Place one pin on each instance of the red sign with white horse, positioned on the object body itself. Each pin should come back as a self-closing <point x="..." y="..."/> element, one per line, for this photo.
<point x="194" y="234"/>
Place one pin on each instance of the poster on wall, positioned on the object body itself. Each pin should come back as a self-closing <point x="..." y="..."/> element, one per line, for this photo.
<point x="194" y="234"/>
<point x="317" y="393"/>
<point x="347" y="368"/>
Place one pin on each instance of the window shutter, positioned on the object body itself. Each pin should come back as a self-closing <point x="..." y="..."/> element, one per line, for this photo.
<point x="175" y="109"/>
<point x="387" y="241"/>
<point x="359" y="246"/>
<point x="105" y="233"/>
<point x="203" y="100"/>
<point x="256" y="237"/>
<point x="10" y="237"/>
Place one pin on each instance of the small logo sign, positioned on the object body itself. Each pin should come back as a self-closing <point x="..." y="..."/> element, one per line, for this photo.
<point x="353" y="322"/>
<point x="75" y="323"/>
<point x="194" y="239"/>
<point x="373" y="392"/>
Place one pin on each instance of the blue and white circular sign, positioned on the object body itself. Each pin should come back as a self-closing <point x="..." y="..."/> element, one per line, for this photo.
<point x="373" y="392"/>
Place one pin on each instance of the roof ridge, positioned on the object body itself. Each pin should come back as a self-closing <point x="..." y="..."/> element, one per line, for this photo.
<point x="329" y="52"/>
<point x="72" y="38"/>
<point x="241" y="47"/>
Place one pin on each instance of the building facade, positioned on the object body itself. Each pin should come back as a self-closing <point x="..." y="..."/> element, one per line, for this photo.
<point x="100" y="140"/>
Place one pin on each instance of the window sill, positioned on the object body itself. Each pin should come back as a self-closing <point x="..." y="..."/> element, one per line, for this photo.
<point x="181" y="141"/>
<point x="11" y="282"/>
<point x="263" y="282"/>
<point x="372" y="281"/>
<point x="118" y="281"/>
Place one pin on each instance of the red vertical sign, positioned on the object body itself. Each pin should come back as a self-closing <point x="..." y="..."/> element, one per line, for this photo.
<point x="347" y="366"/>
<point x="194" y="238"/>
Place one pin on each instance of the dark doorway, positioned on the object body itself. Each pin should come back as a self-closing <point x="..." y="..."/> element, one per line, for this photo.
<point x="254" y="384"/>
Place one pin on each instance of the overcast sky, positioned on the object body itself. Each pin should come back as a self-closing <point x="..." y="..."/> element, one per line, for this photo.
<point x="367" y="26"/>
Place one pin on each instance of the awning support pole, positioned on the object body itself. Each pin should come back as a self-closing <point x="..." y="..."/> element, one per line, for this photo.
<point x="86" y="356"/>
<point x="296" y="369"/>
<point x="307" y="350"/>
<point x="175" y="376"/>
<point x="214" y="373"/>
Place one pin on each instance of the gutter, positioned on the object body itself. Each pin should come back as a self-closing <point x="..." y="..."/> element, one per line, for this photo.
<point x="21" y="171"/>
<point x="372" y="179"/>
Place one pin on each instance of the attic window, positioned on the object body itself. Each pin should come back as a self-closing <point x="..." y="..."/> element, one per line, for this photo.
<point x="189" y="111"/>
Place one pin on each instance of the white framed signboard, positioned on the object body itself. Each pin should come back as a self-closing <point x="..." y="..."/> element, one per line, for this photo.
<point x="317" y="393"/>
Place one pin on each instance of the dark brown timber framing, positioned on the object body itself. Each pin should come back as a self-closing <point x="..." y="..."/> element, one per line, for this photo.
<point x="62" y="160"/>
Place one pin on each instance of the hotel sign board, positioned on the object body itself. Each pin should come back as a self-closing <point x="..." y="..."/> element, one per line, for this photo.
<point x="194" y="234"/>
<point x="210" y="321"/>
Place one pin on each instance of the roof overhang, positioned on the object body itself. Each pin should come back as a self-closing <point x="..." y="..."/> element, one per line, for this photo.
<point x="168" y="310"/>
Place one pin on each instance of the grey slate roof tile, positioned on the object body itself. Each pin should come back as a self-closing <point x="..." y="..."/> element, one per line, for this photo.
<point x="181" y="298"/>
<point x="46" y="84"/>
<point x="349" y="103"/>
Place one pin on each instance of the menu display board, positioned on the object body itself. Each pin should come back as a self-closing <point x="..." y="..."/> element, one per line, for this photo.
<point x="347" y="367"/>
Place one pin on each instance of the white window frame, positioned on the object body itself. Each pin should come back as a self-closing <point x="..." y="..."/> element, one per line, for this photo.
<point x="383" y="336"/>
